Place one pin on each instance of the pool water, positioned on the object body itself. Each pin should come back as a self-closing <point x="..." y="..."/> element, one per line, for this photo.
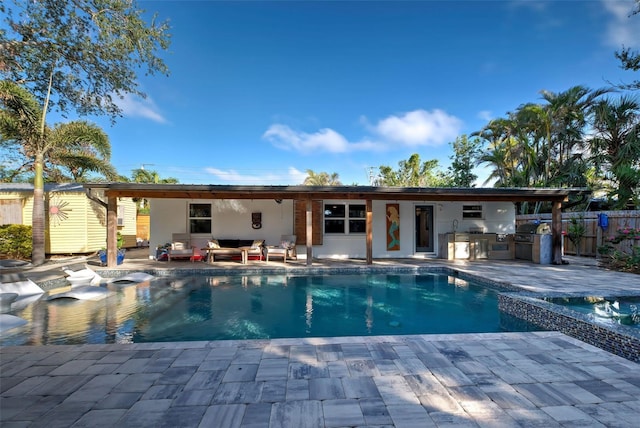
<point x="258" y="307"/>
<point x="612" y="310"/>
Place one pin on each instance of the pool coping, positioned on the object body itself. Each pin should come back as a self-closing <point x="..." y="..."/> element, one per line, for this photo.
<point x="512" y="300"/>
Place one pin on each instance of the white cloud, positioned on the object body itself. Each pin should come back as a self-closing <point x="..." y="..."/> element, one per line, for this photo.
<point x="420" y="128"/>
<point x="622" y="30"/>
<point x="231" y="176"/>
<point x="137" y="107"/>
<point x="324" y="140"/>
<point x="485" y="115"/>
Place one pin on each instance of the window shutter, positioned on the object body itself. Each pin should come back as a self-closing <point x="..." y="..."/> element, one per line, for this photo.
<point x="300" y="221"/>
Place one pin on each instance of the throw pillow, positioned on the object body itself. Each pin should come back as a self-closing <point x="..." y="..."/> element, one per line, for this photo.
<point x="213" y="244"/>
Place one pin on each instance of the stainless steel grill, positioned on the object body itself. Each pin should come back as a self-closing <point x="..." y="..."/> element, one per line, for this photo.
<point x="532" y="242"/>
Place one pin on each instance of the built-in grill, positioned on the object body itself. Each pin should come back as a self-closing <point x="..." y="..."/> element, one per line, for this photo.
<point x="533" y="242"/>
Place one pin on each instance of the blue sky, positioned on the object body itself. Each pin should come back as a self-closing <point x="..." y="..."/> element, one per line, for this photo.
<point x="259" y="92"/>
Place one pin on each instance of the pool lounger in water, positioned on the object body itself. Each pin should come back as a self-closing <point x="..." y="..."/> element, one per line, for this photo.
<point x="88" y="276"/>
<point x="8" y="322"/>
<point x="83" y="292"/>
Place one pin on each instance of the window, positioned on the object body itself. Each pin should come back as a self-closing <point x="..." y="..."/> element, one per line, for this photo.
<point x="472" y="211"/>
<point x="340" y="218"/>
<point x="200" y="218"/>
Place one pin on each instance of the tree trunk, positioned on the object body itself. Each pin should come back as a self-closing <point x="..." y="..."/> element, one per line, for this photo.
<point x="38" y="220"/>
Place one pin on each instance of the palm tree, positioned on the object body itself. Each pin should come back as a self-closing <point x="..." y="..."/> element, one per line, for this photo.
<point x="80" y="148"/>
<point x="21" y="125"/>
<point x="615" y="145"/>
<point x="321" y="179"/>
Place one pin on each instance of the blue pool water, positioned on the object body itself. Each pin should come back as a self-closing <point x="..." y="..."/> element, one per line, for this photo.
<point x="256" y="307"/>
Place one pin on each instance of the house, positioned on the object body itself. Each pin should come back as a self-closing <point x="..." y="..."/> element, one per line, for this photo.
<point x="75" y="221"/>
<point x="338" y="221"/>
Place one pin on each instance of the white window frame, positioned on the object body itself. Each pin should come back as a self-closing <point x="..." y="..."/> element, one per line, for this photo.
<point x="347" y="219"/>
<point x="473" y="212"/>
<point x="200" y="218"/>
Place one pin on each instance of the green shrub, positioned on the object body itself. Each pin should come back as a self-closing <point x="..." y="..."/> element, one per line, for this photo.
<point x="15" y="241"/>
<point x="617" y="259"/>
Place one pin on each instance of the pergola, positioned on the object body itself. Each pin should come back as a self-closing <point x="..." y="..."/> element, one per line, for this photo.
<point x="113" y="191"/>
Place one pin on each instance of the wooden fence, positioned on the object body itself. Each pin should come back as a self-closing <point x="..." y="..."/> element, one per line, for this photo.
<point x="595" y="235"/>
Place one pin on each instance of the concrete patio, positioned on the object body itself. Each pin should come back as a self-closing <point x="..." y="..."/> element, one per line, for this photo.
<point x="541" y="379"/>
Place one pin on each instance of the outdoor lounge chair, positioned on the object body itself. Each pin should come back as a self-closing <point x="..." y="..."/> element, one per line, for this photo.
<point x="181" y="247"/>
<point x="286" y="249"/>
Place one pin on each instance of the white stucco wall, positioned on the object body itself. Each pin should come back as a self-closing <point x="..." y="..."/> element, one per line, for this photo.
<point x="231" y="219"/>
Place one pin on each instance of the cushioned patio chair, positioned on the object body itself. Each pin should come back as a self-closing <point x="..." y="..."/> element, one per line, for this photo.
<point x="286" y="249"/>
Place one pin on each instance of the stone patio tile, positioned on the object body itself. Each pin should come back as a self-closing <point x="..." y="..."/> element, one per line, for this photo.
<point x="16" y="367"/>
<point x="409" y="416"/>
<point x="25" y="386"/>
<point x="297" y="389"/>
<point x="100" y="418"/>
<point x="374" y="411"/>
<point x="159" y="392"/>
<point x="273" y="369"/>
<point x="96" y="388"/>
<point x="395" y="390"/>
<point x="221" y="353"/>
<point x="385" y="351"/>
<point x="205" y="380"/>
<point x="357" y="351"/>
<point x="10" y="407"/>
<point x="118" y="400"/>
<point x="359" y="367"/>
<point x="158" y="365"/>
<point x="274" y="390"/>
<point x="134" y="365"/>
<point x="145" y="413"/>
<point x="605" y="391"/>
<point x="257" y="415"/>
<point x="299" y="414"/>
<point x="360" y="387"/>
<point x="138" y="382"/>
<point x="240" y="373"/>
<point x="410" y="366"/>
<point x="308" y="371"/>
<point x="571" y="415"/>
<point x="170" y="353"/>
<point x="9" y="382"/>
<point x="345" y="412"/>
<point x="99" y="369"/>
<point x="544" y="395"/>
<point x="176" y="375"/>
<point x="58" y="358"/>
<point x="325" y="389"/>
<point x="248" y="356"/>
<point x="190" y="357"/>
<point x="506" y="397"/>
<point x="337" y="368"/>
<point x="238" y="392"/>
<point x="434" y="360"/>
<point x="37" y="406"/>
<point x="71" y="368"/>
<point x="450" y="376"/>
<point x="223" y="415"/>
<point x="115" y="357"/>
<point x="453" y="420"/>
<point x="60" y="385"/>
<point x="185" y="417"/>
<point x="468" y="394"/>
<point x="193" y="397"/>
<point x="33" y="371"/>
<point x="63" y="415"/>
<point x="216" y="364"/>
<point x="610" y="416"/>
<point x="534" y="418"/>
<point x="276" y="351"/>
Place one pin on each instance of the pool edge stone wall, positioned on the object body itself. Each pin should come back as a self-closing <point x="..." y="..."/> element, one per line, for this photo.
<point x="615" y="339"/>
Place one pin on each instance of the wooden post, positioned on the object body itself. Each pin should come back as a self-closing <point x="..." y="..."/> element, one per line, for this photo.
<point x="309" y="218"/>
<point x="556" y="231"/>
<point x="369" y="230"/>
<point x="112" y="231"/>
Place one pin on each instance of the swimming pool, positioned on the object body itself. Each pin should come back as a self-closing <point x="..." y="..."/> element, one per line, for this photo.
<point x="267" y="306"/>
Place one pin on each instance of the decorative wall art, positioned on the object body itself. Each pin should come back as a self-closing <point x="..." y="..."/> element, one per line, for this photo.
<point x="393" y="227"/>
